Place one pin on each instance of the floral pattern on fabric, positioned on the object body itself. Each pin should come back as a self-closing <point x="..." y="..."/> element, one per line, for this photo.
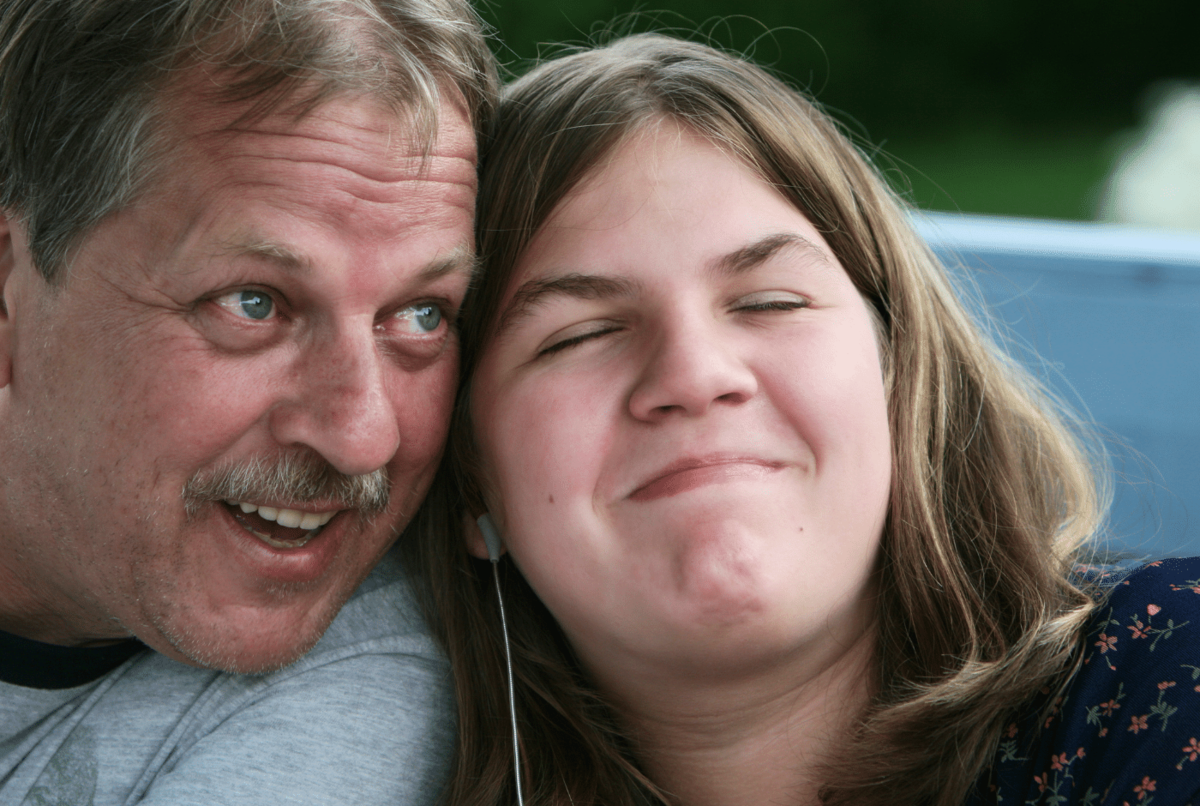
<point x="1126" y="730"/>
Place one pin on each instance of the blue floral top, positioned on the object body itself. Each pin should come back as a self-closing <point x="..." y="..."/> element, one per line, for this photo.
<point x="1126" y="731"/>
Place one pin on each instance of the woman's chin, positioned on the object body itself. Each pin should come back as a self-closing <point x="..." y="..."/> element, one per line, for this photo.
<point x="727" y="638"/>
<point x="718" y="584"/>
<point x="726" y="627"/>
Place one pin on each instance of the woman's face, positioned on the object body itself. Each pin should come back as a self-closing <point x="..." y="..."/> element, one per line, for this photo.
<point x="682" y="420"/>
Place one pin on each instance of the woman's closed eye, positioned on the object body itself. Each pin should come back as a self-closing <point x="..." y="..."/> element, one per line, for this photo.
<point x="577" y="335"/>
<point x="765" y="301"/>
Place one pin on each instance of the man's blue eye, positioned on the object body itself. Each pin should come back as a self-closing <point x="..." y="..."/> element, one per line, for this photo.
<point x="421" y="318"/>
<point x="428" y="317"/>
<point x="255" y="304"/>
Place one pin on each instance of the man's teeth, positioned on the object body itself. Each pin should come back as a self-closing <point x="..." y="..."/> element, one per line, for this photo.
<point x="291" y="518"/>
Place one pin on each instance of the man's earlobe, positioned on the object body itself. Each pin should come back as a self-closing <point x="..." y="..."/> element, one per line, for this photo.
<point x="7" y="262"/>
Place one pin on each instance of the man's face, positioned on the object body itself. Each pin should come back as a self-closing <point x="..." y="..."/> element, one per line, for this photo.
<point x="282" y="297"/>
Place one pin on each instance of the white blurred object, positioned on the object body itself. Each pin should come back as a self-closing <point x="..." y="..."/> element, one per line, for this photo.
<point x="1156" y="181"/>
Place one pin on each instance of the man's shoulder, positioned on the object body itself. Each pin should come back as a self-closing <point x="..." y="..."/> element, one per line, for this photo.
<point x="368" y="715"/>
<point x="383" y="611"/>
<point x="368" y="711"/>
<point x="380" y="619"/>
<point x="378" y="648"/>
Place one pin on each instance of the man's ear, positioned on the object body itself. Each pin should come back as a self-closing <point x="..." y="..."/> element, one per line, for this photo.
<point x="7" y="263"/>
<point x="476" y="542"/>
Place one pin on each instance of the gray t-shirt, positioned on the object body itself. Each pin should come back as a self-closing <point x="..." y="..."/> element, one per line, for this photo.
<point x="366" y="718"/>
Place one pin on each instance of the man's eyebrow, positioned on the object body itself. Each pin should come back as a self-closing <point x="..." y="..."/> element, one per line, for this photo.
<point x="755" y="254"/>
<point x="270" y="252"/>
<point x="461" y="260"/>
<point x="574" y="285"/>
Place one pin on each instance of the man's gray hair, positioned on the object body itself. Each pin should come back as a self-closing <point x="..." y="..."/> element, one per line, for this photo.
<point x="82" y="86"/>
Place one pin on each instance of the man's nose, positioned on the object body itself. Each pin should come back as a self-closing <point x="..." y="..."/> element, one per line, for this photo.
<point x="690" y="367"/>
<point x="339" y="404"/>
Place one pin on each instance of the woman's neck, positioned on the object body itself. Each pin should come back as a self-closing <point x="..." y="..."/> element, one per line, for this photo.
<point x="759" y="739"/>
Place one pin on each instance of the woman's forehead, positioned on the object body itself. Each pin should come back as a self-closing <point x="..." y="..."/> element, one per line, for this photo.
<point x="660" y="180"/>
<point x="635" y="161"/>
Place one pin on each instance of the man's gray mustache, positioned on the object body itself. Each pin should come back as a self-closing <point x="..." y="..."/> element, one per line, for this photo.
<point x="292" y="479"/>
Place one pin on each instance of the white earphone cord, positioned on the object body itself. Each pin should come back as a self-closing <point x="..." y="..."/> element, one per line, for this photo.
<point x="512" y="705"/>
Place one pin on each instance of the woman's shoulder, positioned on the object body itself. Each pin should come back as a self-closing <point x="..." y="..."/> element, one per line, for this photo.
<point x="1126" y="729"/>
<point x="1173" y="574"/>
<point x="1145" y="616"/>
<point x="1148" y="620"/>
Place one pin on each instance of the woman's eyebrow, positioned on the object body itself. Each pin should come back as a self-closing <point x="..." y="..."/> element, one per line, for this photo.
<point x="577" y="286"/>
<point x="755" y="254"/>
<point x="591" y="286"/>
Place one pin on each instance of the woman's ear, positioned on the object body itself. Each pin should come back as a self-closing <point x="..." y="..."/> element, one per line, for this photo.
<point x="483" y="538"/>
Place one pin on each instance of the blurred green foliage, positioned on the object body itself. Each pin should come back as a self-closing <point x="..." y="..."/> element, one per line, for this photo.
<point x="1003" y="171"/>
<point x="999" y="106"/>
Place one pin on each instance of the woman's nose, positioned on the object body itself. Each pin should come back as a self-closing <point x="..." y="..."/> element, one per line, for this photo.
<point x="689" y="369"/>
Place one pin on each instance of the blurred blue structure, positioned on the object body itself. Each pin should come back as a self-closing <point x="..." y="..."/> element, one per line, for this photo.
<point x="1112" y="317"/>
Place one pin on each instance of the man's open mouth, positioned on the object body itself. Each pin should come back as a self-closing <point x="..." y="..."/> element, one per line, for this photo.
<point x="280" y="528"/>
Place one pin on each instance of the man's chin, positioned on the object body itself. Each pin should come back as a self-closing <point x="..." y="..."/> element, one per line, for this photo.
<point x="238" y="650"/>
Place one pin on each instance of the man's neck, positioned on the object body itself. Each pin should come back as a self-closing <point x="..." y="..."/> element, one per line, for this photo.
<point x="33" y="664"/>
<point x="25" y="602"/>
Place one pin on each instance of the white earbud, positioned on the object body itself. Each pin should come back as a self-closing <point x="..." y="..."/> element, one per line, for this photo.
<point x="491" y="536"/>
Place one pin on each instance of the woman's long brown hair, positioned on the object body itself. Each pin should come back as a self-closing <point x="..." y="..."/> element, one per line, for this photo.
<point x="993" y="489"/>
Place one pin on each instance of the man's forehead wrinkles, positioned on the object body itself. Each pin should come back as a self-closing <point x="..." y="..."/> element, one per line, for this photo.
<point x="377" y="145"/>
<point x="357" y="160"/>
<point x="342" y="117"/>
<point x="348" y="193"/>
